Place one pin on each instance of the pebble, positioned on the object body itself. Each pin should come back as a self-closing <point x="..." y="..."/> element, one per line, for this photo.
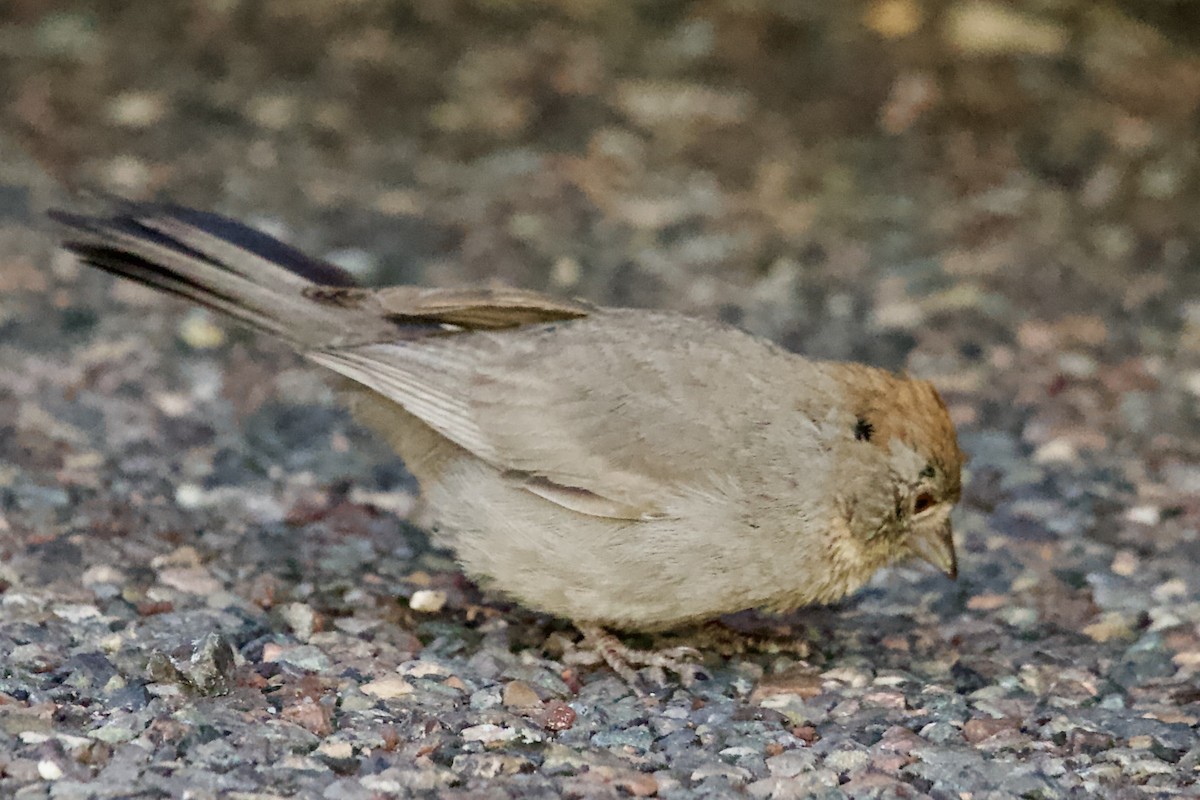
<point x="428" y="601"/>
<point x="77" y="612"/>
<point x="301" y="618"/>
<point x="893" y="19"/>
<point x="303" y="656"/>
<point x="791" y="763"/>
<point x="388" y="687"/>
<point x="199" y="332"/>
<point x="488" y="734"/>
<point x="49" y="770"/>
<point x="845" y="761"/>
<point x="518" y="694"/>
<point x="190" y="580"/>
<point x="655" y="103"/>
<point x="985" y="28"/>
<point x="138" y="109"/>
<point x="127" y="174"/>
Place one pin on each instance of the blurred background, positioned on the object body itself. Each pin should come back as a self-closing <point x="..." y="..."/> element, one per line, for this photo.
<point x="1002" y="196"/>
<point x="976" y="181"/>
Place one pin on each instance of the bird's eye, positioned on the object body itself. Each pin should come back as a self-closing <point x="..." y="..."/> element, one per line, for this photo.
<point x="924" y="502"/>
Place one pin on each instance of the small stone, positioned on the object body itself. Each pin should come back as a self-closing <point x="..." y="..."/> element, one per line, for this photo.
<point x="1144" y="767"/>
<point x="77" y="612"/>
<point x="1144" y="515"/>
<point x="488" y="733"/>
<point x="190" y="580"/>
<point x="137" y="109"/>
<point x="566" y="272"/>
<point x="101" y="574"/>
<point x="1125" y="563"/>
<point x="894" y="700"/>
<point x="428" y="601"/>
<point x="736" y="776"/>
<point x="657" y="102"/>
<point x="988" y="602"/>
<point x="1056" y="451"/>
<point x="49" y="770"/>
<point x="893" y="19"/>
<point x="791" y="763"/>
<point x="637" y="784"/>
<point x="127" y="174"/>
<point x="310" y="715"/>
<point x="388" y="687"/>
<point x="802" y="681"/>
<point x="1111" y="626"/>
<point x="301" y="618"/>
<point x="984" y="28"/>
<point x="941" y="733"/>
<point x="1168" y="591"/>
<point x="210" y="669"/>
<point x="186" y="556"/>
<point x="854" y="678"/>
<point x="113" y="734"/>
<point x="304" y="656"/>
<point x="557" y="716"/>
<point x="189" y="495"/>
<point x="273" y="111"/>
<point x="355" y="701"/>
<point x="422" y="668"/>
<point x="1191" y="382"/>
<point x="336" y="749"/>
<point x="489" y="765"/>
<point x="806" y="733"/>
<point x="198" y="331"/>
<point x="977" y="729"/>
<point x="518" y="694"/>
<point x="1189" y="659"/>
<point x="845" y="761"/>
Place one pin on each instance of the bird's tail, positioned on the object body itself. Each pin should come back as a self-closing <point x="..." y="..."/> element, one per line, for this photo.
<point x="221" y="264"/>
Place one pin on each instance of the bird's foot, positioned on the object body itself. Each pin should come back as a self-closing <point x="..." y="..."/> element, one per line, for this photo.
<point x="599" y="645"/>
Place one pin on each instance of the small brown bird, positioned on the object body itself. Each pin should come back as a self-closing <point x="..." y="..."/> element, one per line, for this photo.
<point x="620" y="468"/>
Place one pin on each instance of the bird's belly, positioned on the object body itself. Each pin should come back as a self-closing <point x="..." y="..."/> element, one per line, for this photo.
<point x="624" y="574"/>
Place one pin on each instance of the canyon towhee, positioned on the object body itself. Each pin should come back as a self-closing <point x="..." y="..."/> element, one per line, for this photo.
<point x="621" y="468"/>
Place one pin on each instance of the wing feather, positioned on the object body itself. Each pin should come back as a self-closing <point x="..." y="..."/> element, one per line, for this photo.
<point x="588" y="413"/>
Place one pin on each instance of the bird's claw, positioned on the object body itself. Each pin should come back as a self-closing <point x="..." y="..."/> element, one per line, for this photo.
<point x="600" y="645"/>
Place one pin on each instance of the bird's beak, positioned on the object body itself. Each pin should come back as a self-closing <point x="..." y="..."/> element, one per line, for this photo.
<point x="938" y="549"/>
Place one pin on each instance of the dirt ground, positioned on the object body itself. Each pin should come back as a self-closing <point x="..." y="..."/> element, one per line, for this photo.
<point x="213" y="584"/>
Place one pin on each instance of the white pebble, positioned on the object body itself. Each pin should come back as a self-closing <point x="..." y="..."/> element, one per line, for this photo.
<point x="429" y="601"/>
<point x="49" y="770"/>
<point x="1144" y="515"/>
<point x="388" y="687"/>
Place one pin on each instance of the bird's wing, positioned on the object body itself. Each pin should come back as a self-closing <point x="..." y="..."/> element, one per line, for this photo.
<point x="602" y="411"/>
<point x="612" y="415"/>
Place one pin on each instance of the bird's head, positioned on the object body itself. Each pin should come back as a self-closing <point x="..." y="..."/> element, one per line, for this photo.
<point x="919" y="461"/>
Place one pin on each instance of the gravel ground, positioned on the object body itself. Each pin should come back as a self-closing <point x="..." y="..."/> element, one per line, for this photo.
<point x="214" y="585"/>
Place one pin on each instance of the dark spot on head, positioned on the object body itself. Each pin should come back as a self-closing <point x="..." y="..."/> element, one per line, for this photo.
<point x="863" y="430"/>
<point x="929" y="472"/>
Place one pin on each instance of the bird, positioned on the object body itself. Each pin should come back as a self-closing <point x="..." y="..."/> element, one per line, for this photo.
<point x="628" y="470"/>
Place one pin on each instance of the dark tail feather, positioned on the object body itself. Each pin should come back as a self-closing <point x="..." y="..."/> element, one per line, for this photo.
<point x="248" y="239"/>
<point x="216" y="262"/>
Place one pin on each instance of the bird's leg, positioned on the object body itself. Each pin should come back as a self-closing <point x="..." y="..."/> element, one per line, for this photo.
<point x="623" y="660"/>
